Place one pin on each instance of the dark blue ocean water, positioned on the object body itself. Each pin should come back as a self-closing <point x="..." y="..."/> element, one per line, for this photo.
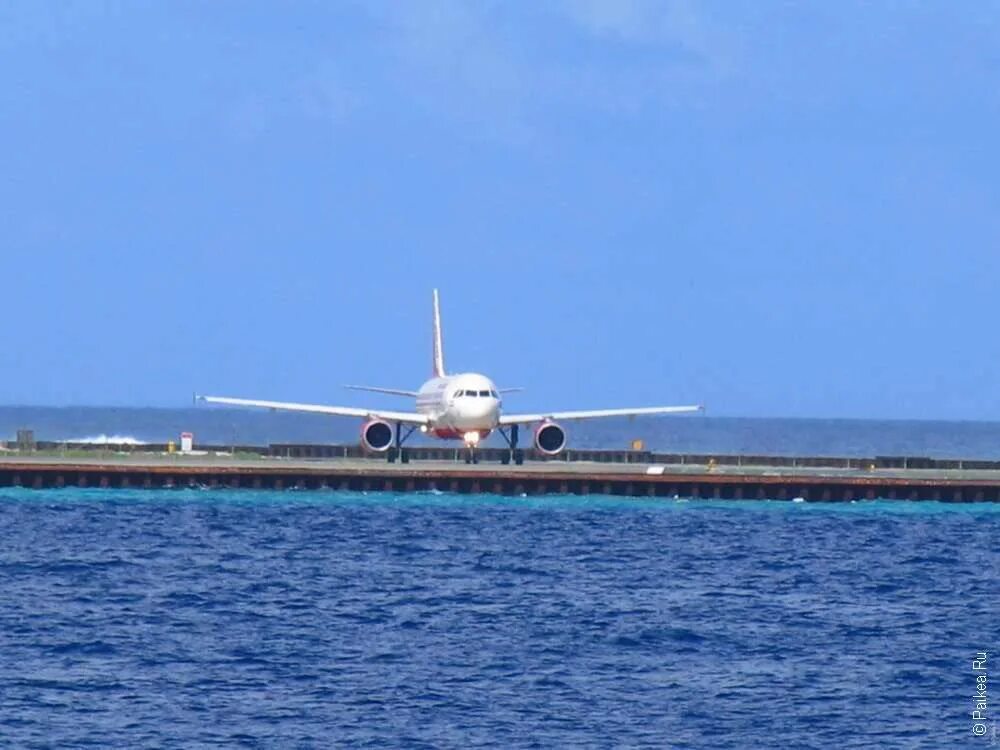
<point x="240" y="619"/>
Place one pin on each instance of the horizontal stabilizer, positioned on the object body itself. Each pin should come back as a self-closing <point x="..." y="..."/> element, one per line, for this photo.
<point x="375" y="389"/>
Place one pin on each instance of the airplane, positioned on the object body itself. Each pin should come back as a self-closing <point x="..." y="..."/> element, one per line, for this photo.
<point x="466" y="407"/>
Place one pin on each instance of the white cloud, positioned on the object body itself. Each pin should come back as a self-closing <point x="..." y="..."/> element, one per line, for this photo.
<point x="495" y="70"/>
<point x="447" y="57"/>
<point x="673" y="23"/>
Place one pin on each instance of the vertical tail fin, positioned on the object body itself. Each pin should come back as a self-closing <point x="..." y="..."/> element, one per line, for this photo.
<point x="438" y="350"/>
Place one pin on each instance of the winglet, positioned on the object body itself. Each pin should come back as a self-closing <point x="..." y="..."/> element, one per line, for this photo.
<point x="438" y="350"/>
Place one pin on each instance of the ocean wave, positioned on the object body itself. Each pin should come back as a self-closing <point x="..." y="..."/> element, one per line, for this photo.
<point x="108" y="440"/>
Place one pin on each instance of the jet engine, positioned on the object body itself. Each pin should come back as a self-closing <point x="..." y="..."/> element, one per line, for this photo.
<point x="550" y="438"/>
<point x="376" y="435"/>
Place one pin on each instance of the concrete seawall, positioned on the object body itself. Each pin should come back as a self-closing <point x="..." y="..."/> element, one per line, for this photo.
<point x="735" y="479"/>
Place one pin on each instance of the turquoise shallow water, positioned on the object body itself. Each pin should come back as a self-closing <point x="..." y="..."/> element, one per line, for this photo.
<point x="308" y="619"/>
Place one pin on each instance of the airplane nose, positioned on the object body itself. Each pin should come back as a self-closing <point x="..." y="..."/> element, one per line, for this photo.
<point x="480" y="414"/>
<point x="485" y="408"/>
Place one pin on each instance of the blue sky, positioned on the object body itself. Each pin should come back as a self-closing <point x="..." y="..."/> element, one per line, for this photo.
<point x="777" y="209"/>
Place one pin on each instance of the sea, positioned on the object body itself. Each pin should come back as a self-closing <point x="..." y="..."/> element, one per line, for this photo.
<point x="698" y="434"/>
<point x="320" y="619"/>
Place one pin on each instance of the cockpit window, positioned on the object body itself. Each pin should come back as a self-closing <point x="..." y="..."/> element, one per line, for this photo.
<point x="494" y="394"/>
<point x="484" y="393"/>
<point x="458" y="394"/>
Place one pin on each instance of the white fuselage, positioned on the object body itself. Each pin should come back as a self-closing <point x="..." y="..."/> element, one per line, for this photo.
<point x="460" y="406"/>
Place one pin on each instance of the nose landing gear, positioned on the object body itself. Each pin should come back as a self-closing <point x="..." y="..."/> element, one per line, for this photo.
<point x="471" y="442"/>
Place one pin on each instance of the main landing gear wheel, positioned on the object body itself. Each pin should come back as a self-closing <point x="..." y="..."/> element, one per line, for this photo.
<point x="514" y="454"/>
<point x="397" y="450"/>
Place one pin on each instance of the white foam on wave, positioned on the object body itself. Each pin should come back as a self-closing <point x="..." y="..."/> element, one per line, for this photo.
<point x="108" y="440"/>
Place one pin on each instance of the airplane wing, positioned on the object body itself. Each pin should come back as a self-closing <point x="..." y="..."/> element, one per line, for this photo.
<point x="407" y="417"/>
<point x="598" y="414"/>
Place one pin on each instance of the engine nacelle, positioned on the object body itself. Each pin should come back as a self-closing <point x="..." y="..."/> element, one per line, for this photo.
<point x="550" y="438"/>
<point x="376" y="435"/>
